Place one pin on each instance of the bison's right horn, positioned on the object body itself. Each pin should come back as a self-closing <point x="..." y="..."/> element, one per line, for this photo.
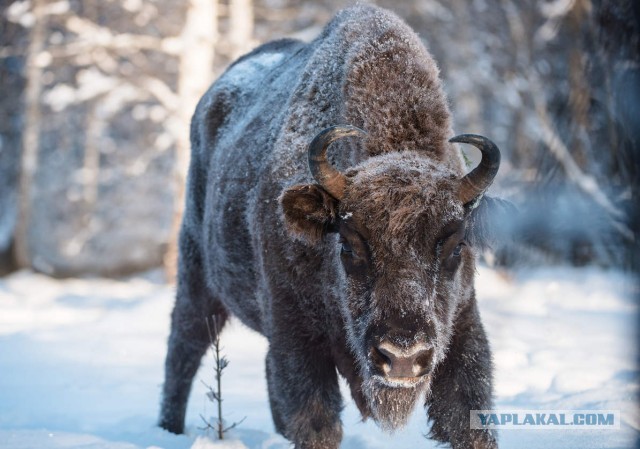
<point x="474" y="184"/>
<point x="324" y="173"/>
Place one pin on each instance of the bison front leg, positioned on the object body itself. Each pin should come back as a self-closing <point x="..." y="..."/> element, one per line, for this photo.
<point x="189" y="338"/>
<point x="463" y="382"/>
<point x="303" y="392"/>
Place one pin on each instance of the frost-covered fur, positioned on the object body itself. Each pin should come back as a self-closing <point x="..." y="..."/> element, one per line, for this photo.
<point x="260" y="239"/>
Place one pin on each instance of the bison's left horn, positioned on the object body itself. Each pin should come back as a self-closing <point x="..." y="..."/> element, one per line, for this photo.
<point x="474" y="184"/>
<point x="324" y="173"/>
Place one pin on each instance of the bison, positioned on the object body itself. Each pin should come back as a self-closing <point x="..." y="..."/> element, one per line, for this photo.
<point x="352" y="252"/>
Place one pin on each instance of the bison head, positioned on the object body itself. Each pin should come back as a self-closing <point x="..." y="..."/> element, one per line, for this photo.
<point x="405" y="225"/>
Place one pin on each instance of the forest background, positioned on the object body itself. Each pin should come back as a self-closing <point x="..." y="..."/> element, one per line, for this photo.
<point x="97" y="96"/>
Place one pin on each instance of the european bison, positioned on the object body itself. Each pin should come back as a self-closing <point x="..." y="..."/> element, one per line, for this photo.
<point x="358" y="263"/>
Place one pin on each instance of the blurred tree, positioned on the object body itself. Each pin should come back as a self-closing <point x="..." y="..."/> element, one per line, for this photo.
<point x="195" y="74"/>
<point x="554" y="83"/>
<point x="11" y="120"/>
<point x="92" y="185"/>
<point x="240" y="27"/>
<point x="35" y="61"/>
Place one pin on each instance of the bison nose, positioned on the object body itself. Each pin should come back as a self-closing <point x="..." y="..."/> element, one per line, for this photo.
<point x="396" y="362"/>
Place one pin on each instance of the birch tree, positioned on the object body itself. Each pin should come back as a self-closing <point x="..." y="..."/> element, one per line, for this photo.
<point x="35" y="61"/>
<point x="196" y="72"/>
<point x="241" y="20"/>
<point x="116" y="73"/>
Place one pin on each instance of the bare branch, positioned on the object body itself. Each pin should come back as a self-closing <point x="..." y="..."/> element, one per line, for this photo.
<point x="550" y="137"/>
<point x="161" y="91"/>
<point x="234" y="425"/>
<point x="585" y="182"/>
<point x="94" y="35"/>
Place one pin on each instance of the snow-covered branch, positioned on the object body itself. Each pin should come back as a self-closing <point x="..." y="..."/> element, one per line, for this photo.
<point x="93" y="35"/>
<point x="585" y="182"/>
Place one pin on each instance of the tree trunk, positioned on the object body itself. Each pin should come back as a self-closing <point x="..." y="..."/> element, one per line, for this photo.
<point x="31" y="134"/>
<point x="196" y="72"/>
<point x="241" y="26"/>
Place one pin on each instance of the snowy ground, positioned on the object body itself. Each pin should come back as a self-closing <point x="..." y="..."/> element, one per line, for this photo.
<point x="81" y="364"/>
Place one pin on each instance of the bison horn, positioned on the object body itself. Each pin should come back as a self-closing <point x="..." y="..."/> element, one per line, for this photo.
<point x="326" y="175"/>
<point x="474" y="184"/>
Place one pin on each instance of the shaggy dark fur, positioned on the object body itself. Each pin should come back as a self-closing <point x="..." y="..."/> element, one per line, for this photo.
<point x="327" y="281"/>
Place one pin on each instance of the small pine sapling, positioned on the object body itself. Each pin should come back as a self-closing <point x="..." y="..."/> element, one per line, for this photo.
<point x="220" y="363"/>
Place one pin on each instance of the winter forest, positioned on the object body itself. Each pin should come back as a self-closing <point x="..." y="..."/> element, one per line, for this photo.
<point x="96" y="98"/>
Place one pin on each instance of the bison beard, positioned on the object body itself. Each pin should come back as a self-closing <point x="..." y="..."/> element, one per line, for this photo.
<point x="392" y="405"/>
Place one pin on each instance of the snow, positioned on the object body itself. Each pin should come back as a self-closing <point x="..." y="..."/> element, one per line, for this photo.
<point x="82" y="364"/>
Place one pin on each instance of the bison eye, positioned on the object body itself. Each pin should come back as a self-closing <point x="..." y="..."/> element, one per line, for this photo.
<point x="346" y="248"/>
<point x="452" y="261"/>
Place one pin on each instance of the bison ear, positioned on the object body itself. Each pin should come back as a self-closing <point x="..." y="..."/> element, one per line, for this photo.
<point x="491" y="221"/>
<point x="309" y="212"/>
